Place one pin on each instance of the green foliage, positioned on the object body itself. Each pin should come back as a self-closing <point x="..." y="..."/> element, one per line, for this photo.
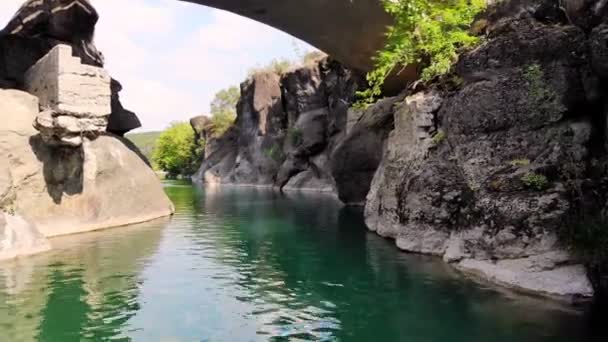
<point x="276" y="66"/>
<point x="295" y="136"/>
<point x="145" y="142"/>
<point x="275" y="153"/>
<point x="223" y="110"/>
<point x="520" y="162"/>
<point x="535" y="181"/>
<point x="439" y="137"/>
<point x="543" y="97"/>
<point x="175" y="150"/>
<point x="427" y="33"/>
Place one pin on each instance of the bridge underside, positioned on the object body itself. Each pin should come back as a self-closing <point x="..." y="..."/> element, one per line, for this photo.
<point x="350" y="31"/>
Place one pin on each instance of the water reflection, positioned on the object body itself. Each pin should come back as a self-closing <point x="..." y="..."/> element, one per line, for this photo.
<point x="85" y="289"/>
<point x="253" y="265"/>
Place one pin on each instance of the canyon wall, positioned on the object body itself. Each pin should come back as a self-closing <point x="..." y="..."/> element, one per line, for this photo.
<point x="498" y="167"/>
<point x="286" y="128"/>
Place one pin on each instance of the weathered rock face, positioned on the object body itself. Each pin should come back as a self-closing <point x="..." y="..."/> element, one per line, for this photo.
<point x="75" y="98"/>
<point x="490" y="175"/>
<point x="356" y="158"/>
<point x="53" y="190"/>
<point x="285" y="131"/>
<point x="41" y="25"/>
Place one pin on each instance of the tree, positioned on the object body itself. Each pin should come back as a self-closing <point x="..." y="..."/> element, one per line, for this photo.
<point x="223" y="110"/>
<point x="277" y="66"/>
<point x="175" y="150"/>
<point x="428" y="33"/>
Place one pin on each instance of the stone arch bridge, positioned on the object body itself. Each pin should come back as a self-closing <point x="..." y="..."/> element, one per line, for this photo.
<point x="350" y="31"/>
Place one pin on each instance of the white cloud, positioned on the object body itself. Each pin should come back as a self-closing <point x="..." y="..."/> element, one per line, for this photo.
<point x="7" y="9"/>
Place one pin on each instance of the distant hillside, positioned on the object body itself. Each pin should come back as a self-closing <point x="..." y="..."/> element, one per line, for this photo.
<point x="145" y="142"/>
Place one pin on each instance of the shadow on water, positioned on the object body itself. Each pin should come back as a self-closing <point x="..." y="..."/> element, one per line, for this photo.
<point x="62" y="168"/>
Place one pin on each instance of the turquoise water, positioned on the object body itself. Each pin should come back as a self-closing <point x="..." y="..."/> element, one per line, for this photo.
<point x="251" y="265"/>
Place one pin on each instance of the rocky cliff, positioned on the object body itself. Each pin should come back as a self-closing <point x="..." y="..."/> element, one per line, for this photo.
<point x="286" y="128"/>
<point x="499" y="167"/>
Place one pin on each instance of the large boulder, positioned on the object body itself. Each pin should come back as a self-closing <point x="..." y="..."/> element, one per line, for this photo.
<point x="37" y="28"/>
<point x="75" y="97"/>
<point x="19" y="237"/>
<point x="62" y="190"/>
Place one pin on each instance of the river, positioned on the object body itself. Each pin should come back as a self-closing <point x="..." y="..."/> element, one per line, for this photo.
<point x="244" y="264"/>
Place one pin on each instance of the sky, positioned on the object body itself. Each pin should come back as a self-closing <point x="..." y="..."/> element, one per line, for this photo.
<point x="172" y="57"/>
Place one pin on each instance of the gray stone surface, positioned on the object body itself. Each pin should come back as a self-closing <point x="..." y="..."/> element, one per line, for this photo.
<point x="19" y="238"/>
<point x="356" y="157"/>
<point x="75" y="98"/>
<point x="64" y="190"/>
<point x="285" y="130"/>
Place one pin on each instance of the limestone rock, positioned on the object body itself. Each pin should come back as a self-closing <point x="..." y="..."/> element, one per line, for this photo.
<point x="200" y="125"/>
<point x="19" y="238"/>
<point x="286" y="128"/>
<point x="38" y="26"/>
<point x="62" y="190"/>
<point x="76" y="98"/>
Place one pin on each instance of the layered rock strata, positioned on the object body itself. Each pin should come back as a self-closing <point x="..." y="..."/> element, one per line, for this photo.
<point x="75" y="98"/>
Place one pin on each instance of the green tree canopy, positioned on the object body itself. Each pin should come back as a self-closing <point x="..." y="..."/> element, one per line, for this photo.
<point x="426" y="33"/>
<point x="175" y="150"/>
<point x="223" y="110"/>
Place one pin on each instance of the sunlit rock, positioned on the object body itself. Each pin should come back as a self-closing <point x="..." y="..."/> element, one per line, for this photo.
<point x="62" y="190"/>
<point x="75" y="97"/>
<point x="18" y="238"/>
